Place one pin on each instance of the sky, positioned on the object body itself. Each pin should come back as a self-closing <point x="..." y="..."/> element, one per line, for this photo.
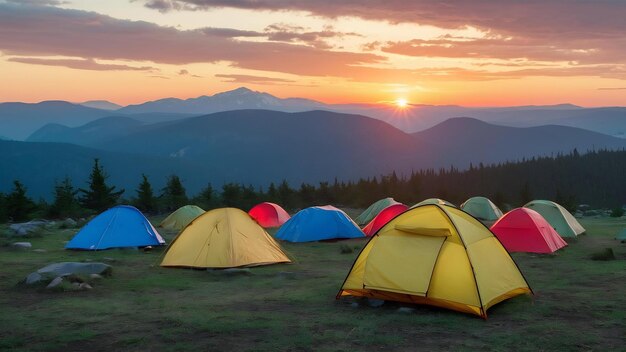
<point x="472" y="53"/>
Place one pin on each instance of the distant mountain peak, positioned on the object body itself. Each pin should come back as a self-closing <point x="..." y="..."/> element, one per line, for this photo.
<point x="101" y="104"/>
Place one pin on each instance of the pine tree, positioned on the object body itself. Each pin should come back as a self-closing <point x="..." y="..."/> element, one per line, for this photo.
<point x="525" y="195"/>
<point x="19" y="206"/>
<point x="231" y="195"/>
<point x="99" y="196"/>
<point x="174" y="195"/>
<point x="145" y="201"/>
<point x="206" y="197"/>
<point x="3" y="209"/>
<point x="65" y="203"/>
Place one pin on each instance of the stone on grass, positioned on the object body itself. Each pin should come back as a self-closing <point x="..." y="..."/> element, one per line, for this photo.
<point x="95" y="276"/>
<point x="33" y="278"/>
<point x="85" y="286"/>
<point x="55" y="282"/>
<point x="39" y="250"/>
<point x="69" y="222"/>
<point x="68" y="269"/>
<point x="25" y="228"/>
<point x="22" y="245"/>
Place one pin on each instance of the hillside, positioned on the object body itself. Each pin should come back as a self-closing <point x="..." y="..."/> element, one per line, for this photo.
<point x="463" y="140"/>
<point x="260" y="146"/>
<point x="19" y="120"/>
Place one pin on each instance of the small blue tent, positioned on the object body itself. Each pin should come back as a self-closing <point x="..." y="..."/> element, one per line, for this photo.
<point x="319" y="223"/>
<point x="120" y="226"/>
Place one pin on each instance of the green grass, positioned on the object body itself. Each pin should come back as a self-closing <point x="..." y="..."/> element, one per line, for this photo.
<point x="579" y="304"/>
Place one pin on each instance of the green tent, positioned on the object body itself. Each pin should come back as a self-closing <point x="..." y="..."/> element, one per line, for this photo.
<point x="482" y="208"/>
<point x="558" y="217"/>
<point x="621" y="236"/>
<point x="373" y="210"/>
<point x="179" y="219"/>
<point x="433" y="201"/>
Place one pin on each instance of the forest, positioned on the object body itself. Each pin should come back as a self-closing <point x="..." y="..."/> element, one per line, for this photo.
<point x="596" y="178"/>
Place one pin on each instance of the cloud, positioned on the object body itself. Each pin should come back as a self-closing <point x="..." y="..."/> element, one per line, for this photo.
<point x="283" y="32"/>
<point x="588" y="18"/>
<point x="588" y="30"/>
<point x="37" y="2"/>
<point x="249" y="79"/>
<point x="184" y="72"/>
<point x="79" y="64"/>
<point x="44" y="31"/>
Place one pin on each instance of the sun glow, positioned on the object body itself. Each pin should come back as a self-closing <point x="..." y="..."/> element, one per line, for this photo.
<point x="401" y="103"/>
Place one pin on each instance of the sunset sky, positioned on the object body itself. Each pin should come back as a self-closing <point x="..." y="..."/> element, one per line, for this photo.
<point x="473" y="53"/>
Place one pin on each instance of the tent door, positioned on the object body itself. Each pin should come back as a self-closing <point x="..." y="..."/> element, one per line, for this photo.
<point x="402" y="263"/>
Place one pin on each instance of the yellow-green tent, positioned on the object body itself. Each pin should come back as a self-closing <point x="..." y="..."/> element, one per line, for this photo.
<point x="181" y="217"/>
<point x="559" y="218"/>
<point x="370" y="213"/>
<point x="436" y="255"/>
<point x="223" y="238"/>
<point x="482" y="208"/>
<point x="433" y="201"/>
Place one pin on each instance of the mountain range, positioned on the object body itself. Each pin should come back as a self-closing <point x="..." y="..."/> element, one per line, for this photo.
<point x="262" y="146"/>
<point x="19" y="120"/>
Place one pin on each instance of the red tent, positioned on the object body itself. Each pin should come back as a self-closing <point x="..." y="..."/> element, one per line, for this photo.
<point x="269" y="214"/>
<point x="383" y="218"/>
<point x="525" y="230"/>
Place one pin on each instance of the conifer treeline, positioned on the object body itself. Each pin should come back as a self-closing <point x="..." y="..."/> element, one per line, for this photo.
<point x="597" y="178"/>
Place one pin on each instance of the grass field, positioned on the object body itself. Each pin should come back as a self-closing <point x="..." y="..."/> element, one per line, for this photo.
<point x="580" y="305"/>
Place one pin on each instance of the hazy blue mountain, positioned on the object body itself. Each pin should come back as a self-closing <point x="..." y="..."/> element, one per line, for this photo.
<point x="610" y="120"/>
<point x="238" y="99"/>
<point x="464" y="140"/>
<point x="19" y="120"/>
<point x="89" y="134"/>
<point x="100" y="104"/>
<point x="260" y="146"/>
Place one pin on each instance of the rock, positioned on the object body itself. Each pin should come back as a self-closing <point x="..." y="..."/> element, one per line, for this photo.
<point x="96" y="276"/>
<point x="69" y="222"/>
<point x="69" y="268"/>
<point x="375" y="303"/>
<point x="354" y="305"/>
<point x="33" y="278"/>
<point x="55" y="282"/>
<point x="22" y="245"/>
<point x="24" y="228"/>
<point x="85" y="286"/>
<point x="39" y="250"/>
<point x="405" y="310"/>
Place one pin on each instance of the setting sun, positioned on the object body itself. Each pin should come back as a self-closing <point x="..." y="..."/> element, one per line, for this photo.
<point x="401" y="103"/>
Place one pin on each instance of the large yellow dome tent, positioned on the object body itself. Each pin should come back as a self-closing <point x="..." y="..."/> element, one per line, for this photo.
<point x="181" y="217"/>
<point x="437" y="255"/>
<point x="223" y="238"/>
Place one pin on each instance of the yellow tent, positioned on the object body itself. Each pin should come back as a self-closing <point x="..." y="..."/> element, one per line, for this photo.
<point x="223" y="238"/>
<point x="438" y="255"/>
<point x="181" y="217"/>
